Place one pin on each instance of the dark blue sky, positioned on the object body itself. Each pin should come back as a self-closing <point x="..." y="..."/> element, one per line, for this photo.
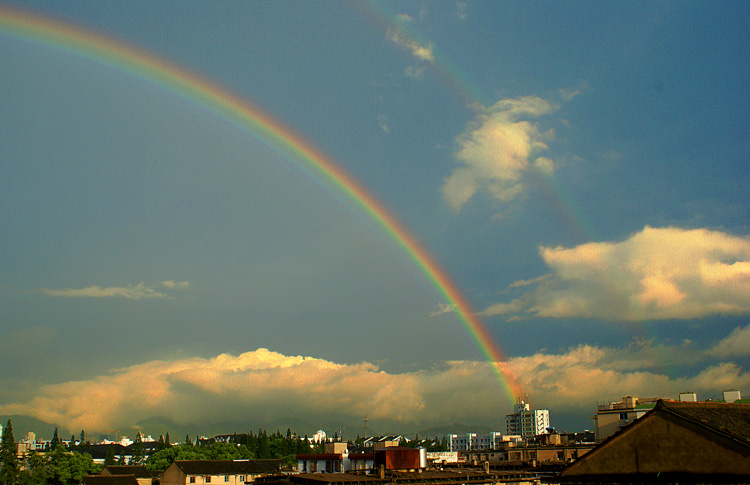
<point x="578" y="169"/>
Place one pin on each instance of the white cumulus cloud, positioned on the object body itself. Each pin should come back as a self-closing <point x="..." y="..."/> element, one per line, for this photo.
<point x="497" y="150"/>
<point x="736" y="344"/>
<point x="658" y="273"/>
<point x="276" y="386"/>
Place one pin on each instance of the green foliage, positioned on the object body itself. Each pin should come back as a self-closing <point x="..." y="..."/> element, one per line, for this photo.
<point x="55" y="441"/>
<point x="9" y="466"/>
<point x="57" y="467"/>
<point x="109" y="459"/>
<point x="216" y="451"/>
<point x="138" y="452"/>
<point x="278" y="446"/>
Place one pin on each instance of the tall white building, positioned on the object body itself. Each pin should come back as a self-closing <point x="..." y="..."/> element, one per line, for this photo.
<point x="525" y="421"/>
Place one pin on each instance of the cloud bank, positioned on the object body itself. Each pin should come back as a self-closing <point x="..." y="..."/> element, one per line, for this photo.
<point x="655" y="274"/>
<point x="498" y="149"/>
<point x="270" y="384"/>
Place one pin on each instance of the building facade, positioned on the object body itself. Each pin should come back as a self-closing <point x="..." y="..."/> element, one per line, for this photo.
<point x="613" y="416"/>
<point x="526" y="422"/>
<point x="222" y="472"/>
<point x="475" y="441"/>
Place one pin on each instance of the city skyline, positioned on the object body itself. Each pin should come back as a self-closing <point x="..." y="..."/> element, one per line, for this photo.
<point x="545" y="201"/>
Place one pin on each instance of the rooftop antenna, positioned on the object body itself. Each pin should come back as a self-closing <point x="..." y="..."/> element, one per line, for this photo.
<point x="365" y="426"/>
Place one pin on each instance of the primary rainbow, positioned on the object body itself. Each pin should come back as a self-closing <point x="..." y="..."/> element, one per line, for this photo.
<point x="228" y="105"/>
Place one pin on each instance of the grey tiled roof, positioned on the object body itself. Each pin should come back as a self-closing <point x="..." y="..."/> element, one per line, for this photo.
<point x="109" y="480"/>
<point x="228" y="467"/>
<point x="723" y="418"/>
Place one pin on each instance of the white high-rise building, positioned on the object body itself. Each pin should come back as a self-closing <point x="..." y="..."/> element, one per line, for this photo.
<point x="525" y="421"/>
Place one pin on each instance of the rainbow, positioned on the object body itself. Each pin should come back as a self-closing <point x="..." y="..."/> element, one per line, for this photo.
<point x="216" y="99"/>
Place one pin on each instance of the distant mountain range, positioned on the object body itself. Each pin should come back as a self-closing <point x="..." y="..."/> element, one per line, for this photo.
<point x="25" y="424"/>
<point x="156" y="426"/>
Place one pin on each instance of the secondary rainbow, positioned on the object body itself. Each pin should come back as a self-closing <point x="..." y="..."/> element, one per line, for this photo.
<point x="196" y="88"/>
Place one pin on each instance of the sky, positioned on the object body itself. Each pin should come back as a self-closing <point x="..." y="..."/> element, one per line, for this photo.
<point x="576" y="171"/>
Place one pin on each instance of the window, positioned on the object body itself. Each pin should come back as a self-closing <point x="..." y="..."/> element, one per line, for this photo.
<point x="623" y="416"/>
<point x="242" y="478"/>
<point x="226" y="478"/>
<point x="192" y="479"/>
<point x="208" y="479"/>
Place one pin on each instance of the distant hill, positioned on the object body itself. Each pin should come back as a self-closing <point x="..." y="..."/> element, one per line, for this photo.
<point x="348" y="427"/>
<point x="25" y="424"/>
<point x="456" y="428"/>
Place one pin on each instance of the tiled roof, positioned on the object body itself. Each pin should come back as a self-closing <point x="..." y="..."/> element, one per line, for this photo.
<point x="714" y="445"/>
<point x="228" y="467"/>
<point x="319" y="456"/>
<point x="139" y="471"/>
<point x="724" y="418"/>
<point x="109" y="480"/>
<point x="100" y="450"/>
<point x="323" y="478"/>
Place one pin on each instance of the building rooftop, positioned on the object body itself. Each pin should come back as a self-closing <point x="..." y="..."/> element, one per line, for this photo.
<point x="109" y="480"/>
<point x="228" y="467"/>
<point x="139" y="471"/>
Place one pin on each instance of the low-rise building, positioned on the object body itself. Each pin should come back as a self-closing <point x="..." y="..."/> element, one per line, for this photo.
<point x="475" y="441"/>
<point x="218" y="472"/>
<point x="335" y="459"/>
<point x="109" y="480"/>
<point x="675" y="442"/>
<point x="613" y="416"/>
<point x="141" y="474"/>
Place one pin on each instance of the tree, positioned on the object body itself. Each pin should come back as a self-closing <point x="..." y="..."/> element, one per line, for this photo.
<point x="9" y="465"/>
<point x="110" y="458"/>
<point x="138" y="451"/>
<point x="83" y="437"/>
<point x="55" y="441"/>
<point x="187" y="440"/>
<point x="59" y="467"/>
<point x="167" y="444"/>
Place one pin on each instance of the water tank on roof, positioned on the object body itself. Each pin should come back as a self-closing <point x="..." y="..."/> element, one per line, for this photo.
<point x="731" y="395"/>
<point x="687" y="396"/>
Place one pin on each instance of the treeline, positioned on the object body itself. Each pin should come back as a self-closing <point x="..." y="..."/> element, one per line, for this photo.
<point x="56" y="466"/>
<point x="66" y="464"/>
<point x="238" y="446"/>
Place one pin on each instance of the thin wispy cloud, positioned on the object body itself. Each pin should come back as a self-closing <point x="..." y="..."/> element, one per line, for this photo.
<point x="138" y="291"/>
<point x="176" y="285"/>
<point x="443" y="308"/>
<point x="497" y="149"/>
<point x="657" y="273"/>
<point x="421" y="52"/>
